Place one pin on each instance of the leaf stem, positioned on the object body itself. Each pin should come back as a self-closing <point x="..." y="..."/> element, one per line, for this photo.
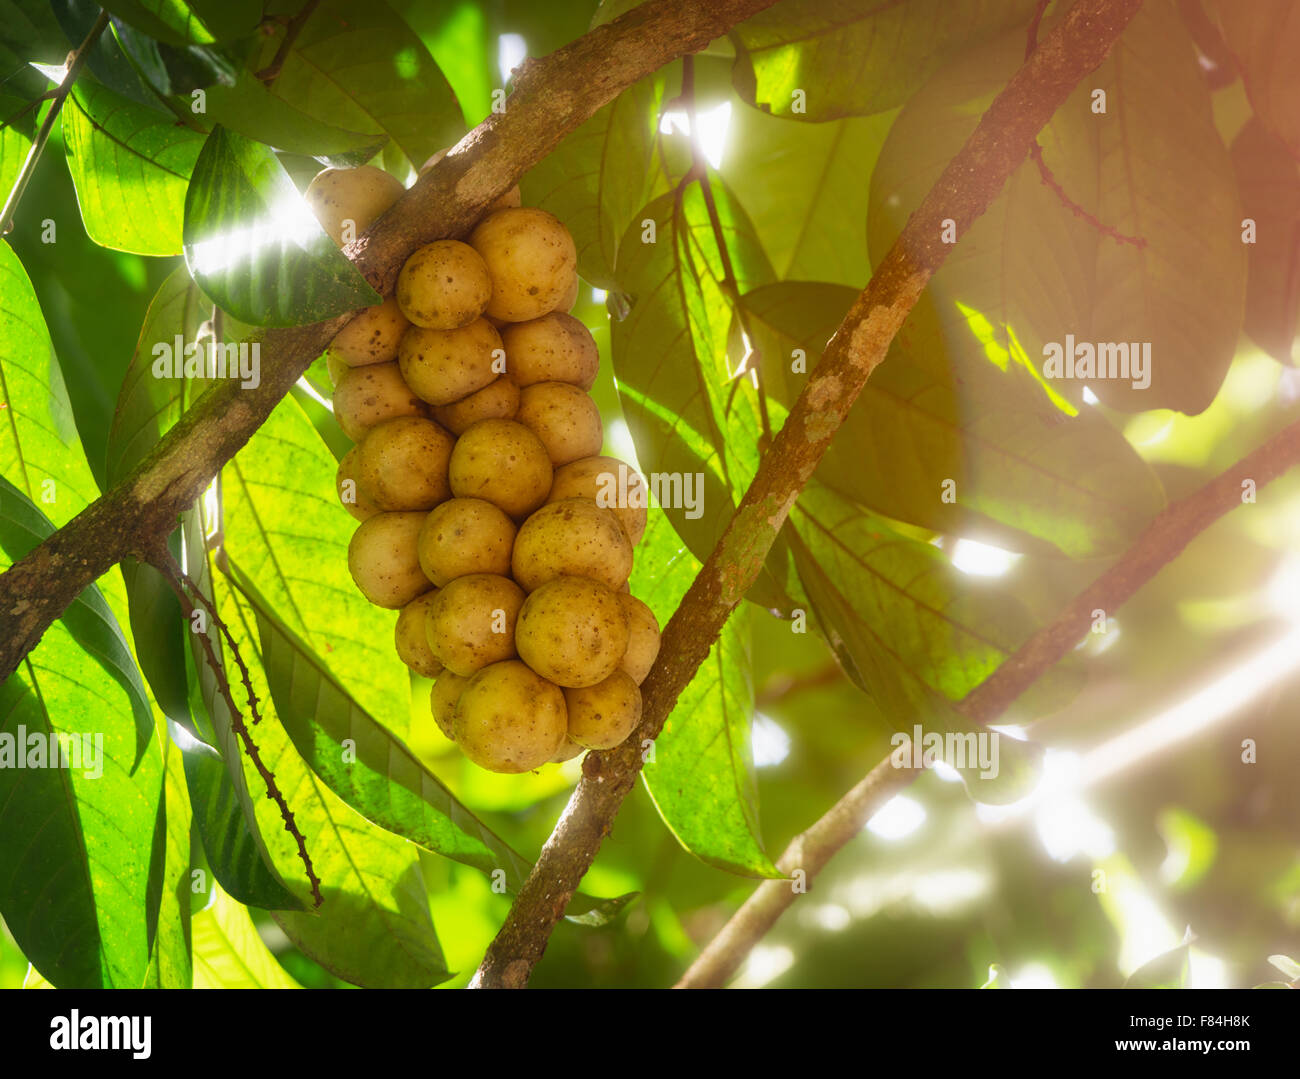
<point x="76" y="60"/>
<point x="271" y="72"/>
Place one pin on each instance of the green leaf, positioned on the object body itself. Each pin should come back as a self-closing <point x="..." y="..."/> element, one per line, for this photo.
<point x="1262" y="37"/>
<point x="30" y="33"/>
<point x="40" y="452"/>
<point x="157" y="627"/>
<point x="250" y="109"/>
<point x="87" y="618"/>
<point x="196" y="22"/>
<point x="253" y="246"/>
<point x="802" y="185"/>
<point x="286" y="530"/>
<point x="908" y="631"/>
<point x="148" y="406"/>
<point x="1152" y="167"/>
<point x="15" y="139"/>
<point x="374" y="927"/>
<point x="229" y="952"/>
<point x="183" y="683"/>
<point x="236" y="853"/>
<point x="702" y="776"/>
<point x="464" y="47"/>
<point x="824" y="59"/>
<point x="361" y="67"/>
<point x="1269" y="180"/>
<point x="224" y="806"/>
<point x="927" y="415"/>
<point x="670" y="352"/>
<point x="75" y="846"/>
<point x="170" y="965"/>
<point x="119" y="57"/>
<point x="1169" y="970"/>
<point x="906" y="594"/>
<point x="600" y="175"/>
<point x="131" y="165"/>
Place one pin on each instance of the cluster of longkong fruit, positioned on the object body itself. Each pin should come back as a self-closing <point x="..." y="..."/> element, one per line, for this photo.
<point x="484" y="502"/>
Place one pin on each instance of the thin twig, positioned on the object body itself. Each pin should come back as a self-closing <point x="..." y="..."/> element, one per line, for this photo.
<point x="34" y="103"/>
<point x="271" y="72"/>
<point x="76" y="60"/>
<point x="1045" y="173"/>
<point x="185" y="587"/>
<point x="1159" y="544"/>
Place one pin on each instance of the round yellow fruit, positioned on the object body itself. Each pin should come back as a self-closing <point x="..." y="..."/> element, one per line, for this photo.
<point x="611" y="484"/>
<point x="384" y="562"/>
<point x="471" y="622"/>
<point x="553" y="348"/>
<point x="367" y="396"/>
<point x="504" y="463"/>
<point x="412" y="642"/>
<point x="603" y="715"/>
<point x="464" y="536"/>
<point x="510" y="719"/>
<point x="351" y="496"/>
<point x="347" y="202"/>
<point x="531" y="259"/>
<point x="572" y="631"/>
<point x="567" y="751"/>
<point x="442" y="701"/>
<point x="571" y="538"/>
<point x="569" y="298"/>
<point x="564" y="418"/>
<point x="643" y="638"/>
<point x="443" y="285"/>
<point x="402" y="464"/>
<point x="445" y="366"/>
<point x="371" y="337"/>
<point x="497" y="400"/>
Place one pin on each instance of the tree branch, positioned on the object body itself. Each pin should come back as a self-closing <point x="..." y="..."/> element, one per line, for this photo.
<point x="971" y="181"/>
<point x="1160" y="543"/>
<point x="552" y="96"/>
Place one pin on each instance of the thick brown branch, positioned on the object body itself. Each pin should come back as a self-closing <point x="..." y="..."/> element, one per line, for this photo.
<point x="552" y="96"/>
<point x="971" y="181"/>
<point x="1160" y="543"/>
